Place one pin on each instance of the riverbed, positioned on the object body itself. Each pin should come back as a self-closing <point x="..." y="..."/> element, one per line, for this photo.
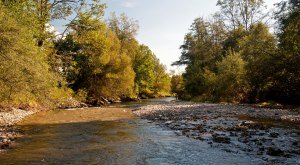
<point x="107" y="136"/>
<point x="111" y="135"/>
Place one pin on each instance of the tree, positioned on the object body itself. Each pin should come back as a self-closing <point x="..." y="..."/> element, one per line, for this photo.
<point x="25" y="76"/>
<point x="232" y="42"/>
<point x="151" y="79"/>
<point x="101" y="68"/>
<point x="231" y="77"/>
<point x="162" y="80"/>
<point x="257" y="49"/>
<point x="286" y="81"/>
<point x="201" y="50"/>
<point x="124" y="27"/>
<point x="126" y="30"/>
<point x="45" y="11"/>
<point x="177" y="86"/>
<point x="143" y="66"/>
<point x="241" y="12"/>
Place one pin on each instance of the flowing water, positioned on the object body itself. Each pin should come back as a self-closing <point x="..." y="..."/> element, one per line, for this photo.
<point x="110" y="135"/>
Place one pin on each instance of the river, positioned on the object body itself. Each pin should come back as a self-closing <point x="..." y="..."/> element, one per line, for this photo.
<point x="110" y="135"/>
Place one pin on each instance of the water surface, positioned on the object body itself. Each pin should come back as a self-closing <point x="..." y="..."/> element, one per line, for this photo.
<point x="108" y="136"/>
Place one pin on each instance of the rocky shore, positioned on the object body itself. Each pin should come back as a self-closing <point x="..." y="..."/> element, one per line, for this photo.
<point x="8" y="133"/>
<point x="272" y="135"/>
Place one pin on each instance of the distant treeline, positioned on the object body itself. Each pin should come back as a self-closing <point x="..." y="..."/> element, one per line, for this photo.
<point x="94" y="60"/>
<point x="233" y="57"/>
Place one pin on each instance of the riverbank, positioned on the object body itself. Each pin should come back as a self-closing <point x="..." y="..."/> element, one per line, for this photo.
<point x="272" y="135"/>
<point x="268" y="135"/>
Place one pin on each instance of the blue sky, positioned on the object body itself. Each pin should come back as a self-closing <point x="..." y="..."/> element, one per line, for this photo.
<point x="163" y="23"/>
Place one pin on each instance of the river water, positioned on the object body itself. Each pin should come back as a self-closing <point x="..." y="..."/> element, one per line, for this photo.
<point x="111" y="135"/>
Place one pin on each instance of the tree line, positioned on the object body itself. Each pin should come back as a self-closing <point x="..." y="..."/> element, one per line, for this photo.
<point x="94" y="60"/>
<point x="233" y="56"/>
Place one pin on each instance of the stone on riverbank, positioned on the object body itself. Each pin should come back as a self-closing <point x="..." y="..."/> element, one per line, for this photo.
<point x="269" y="134"/>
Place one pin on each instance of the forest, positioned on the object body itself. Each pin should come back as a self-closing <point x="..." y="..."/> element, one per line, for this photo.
<point x="239" y="55"/>
<point x="94" y="61"/>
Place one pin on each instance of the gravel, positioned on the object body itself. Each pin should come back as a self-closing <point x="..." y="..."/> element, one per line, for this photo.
<point x="272" y="135"/>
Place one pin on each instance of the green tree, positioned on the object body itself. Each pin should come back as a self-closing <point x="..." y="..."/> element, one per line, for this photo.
<point x="162" y="80"/>
<point x="201" y="50"/>
<point x="143" y="66"/>
<point x="126" y="31"/>
<point x="231" y="77"/>
<point x="257" y="49"/>
<point x="232" y="42"/>
<point x="99" y="66"/>
<point x="146" y="66"/>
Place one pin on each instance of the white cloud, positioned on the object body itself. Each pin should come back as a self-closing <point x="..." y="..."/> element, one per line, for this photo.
<point x="128" y="4"/>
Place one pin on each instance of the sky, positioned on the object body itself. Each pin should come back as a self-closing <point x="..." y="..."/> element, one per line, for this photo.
<point x="164" y="23"/>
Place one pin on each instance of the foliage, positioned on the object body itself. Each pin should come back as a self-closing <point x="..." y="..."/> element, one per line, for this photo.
<point x="106" y="61"/>
<point x="143" y="65"/>
<point x="197" y="56"/>
<point x="151" y="79"/>
<point x="161" y="86"/>
<point x="286" y="80"/>
<point x="231" y="82"/>
<point x="97" y="64"/>
<point x="232" y="57"/>
<point x="257" y="49"/>
<point x="97" y="61"/>
<point x="238" y="59"/>
<point x="24" y="72"/>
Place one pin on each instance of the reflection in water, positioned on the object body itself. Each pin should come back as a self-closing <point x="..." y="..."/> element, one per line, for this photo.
<point x="108" y="136"/>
